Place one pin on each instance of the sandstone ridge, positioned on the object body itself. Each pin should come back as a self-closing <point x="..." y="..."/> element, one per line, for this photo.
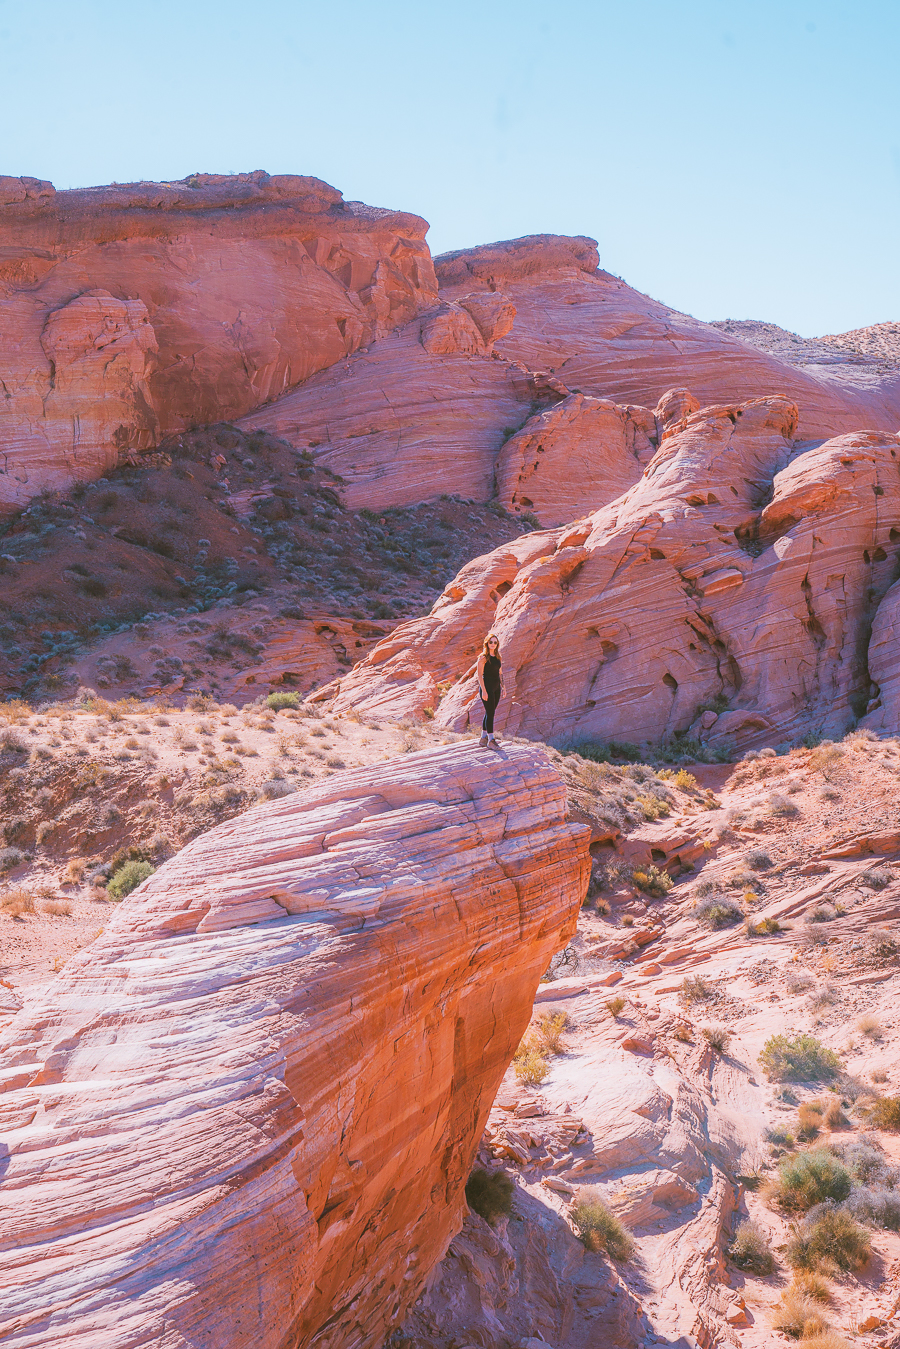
<point x="727" y="595"/>
<point x="271" y="1071"/>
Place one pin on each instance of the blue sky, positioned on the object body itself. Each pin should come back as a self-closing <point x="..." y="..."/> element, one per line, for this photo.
<point x="737" y="160"/>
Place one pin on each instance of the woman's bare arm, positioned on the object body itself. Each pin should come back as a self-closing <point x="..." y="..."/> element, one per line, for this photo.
<point x="480" y="668"/>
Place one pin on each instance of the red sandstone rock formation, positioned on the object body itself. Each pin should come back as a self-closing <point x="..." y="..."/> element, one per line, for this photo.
<point x="689" y="589"/>
<point x="245" y="1115"/>
<point x="601" y="337"/>
<point x="128" y="309"/>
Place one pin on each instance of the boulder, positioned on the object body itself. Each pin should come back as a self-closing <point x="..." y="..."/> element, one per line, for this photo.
<point x="245" y="1115"/>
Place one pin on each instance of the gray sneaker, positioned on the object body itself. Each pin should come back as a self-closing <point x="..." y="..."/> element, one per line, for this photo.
<point x="483" y="741"/>
<point x="493" y="743"/>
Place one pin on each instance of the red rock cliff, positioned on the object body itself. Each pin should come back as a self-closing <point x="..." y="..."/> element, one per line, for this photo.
<point x="246" y="1114"/>
<point x="147" y="307"/>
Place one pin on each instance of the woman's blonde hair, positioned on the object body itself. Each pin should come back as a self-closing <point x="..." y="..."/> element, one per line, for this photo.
<point x="491" y="637"/>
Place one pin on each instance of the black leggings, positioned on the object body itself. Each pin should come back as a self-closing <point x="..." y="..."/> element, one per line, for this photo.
<point x="490" y="707"/>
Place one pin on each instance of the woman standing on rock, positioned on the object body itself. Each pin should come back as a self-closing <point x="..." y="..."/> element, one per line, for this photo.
<point x="490" y="684"/>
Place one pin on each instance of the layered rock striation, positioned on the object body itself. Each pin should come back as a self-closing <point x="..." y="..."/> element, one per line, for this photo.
<point x="270" y="1073"/>
<point x="131" y="310"/>
<point x="729" y="594"/>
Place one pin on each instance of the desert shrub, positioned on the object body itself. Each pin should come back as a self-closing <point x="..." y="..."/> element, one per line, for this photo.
<point x="745" y="880"/>
<point x="128" y="877"/>
<point x="717" y="1037"/>
<point x="829" y="1240"/>
<point x="277" y="701"/>
<point x="11" y="743"/>
<point x="825" y="1339"/>
<point x="780" y="1138"/>
<point x="799" y="983"/>
<point x="274" y="788"/>
<point x="826" y="756"/>
<point x="875" y="1205"/>
<point x="758" y="859"/>
<point x="489" y="1194"/>
<point x="17" y="901"/>
<point x="797" y="1316"/>
<point x="780" y="805"/>
<point x="653" y="881"/>
<point x="682" y="1032"/>
<point x="600" y="1230"/>
<point x="826" y="996"/>
<point x="614" y="1005"/>
<point x="762" y="927"/>
<point x="695" y="989"/>
<point x="718" y="912"/>
<point x="750" y="1249"/>
<point x="876" y="877"/>
<point x="548" y="1032"/>
<point x="868" y="1163"/>
<point x="885" y="1114"/>
<point x="529" y="1064"/>
<point x="798" y="1058"/>
<point x="75" y="869"/>
<point x="11" y="857"/>
<point x="824" y="913"/>
<point x="809" y="1178"/>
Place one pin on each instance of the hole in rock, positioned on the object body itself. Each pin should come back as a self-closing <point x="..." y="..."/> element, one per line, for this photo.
<point x="696" y="501"/>
<point x="712" y="499"/>
<point x="670" y="681"/>
<point x="894" y="535"/>
<point x="866" y="557"/>
<point x="657" y="854"/>
<point x="879" y="555"/>
<point x="503" y="587"/>
<point x="879" y="491"/>
<point x="657" y="555"/>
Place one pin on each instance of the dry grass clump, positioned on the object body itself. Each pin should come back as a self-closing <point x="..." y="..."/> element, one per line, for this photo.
<point x="876" y="878"/>
<point x="798" y="1316"/>
<point x="600" y="1230"/>
<point x="762" y="927"/>
<point x="530" y="1065"/>
<point x="811" y="1285"/>
<point x="717" y="1037"/>
<point x="758" y="859"/>
<point x="825" y="757"/>
<point x="751" y="1250"/>
<point x="57" y="908"/>
<point x="548" y="1032"/>
<point x="885" y="1114"/>
<point x="615" y="1005"/>
<point x="809" y="1120"/>
<point x="695" y="989"/>
<point x="17" y="901"/>
<point x="829" y="1241"/>
<point x="870" y="1026"/>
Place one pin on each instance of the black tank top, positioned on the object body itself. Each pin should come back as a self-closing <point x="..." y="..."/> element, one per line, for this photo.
<point x="492" y="674"/>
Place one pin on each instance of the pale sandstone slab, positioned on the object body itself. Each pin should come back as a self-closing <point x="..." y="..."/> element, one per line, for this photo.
<point x="270" y="1073"/>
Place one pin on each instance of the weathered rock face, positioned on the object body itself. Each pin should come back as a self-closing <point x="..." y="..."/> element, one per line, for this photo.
<point x="689" y="589"/>
<point x="575" y="457"/>
<point x="601" y="337"/>
<point x="244" y="1116"/>
<point x="422" y="413"/>
<point x="211" y="296"/>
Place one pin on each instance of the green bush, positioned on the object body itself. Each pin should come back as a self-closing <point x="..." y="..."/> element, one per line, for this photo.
<point x="809" y="1178"/>
<point x="600" y="1230"/>
<point x="279" y="700"/>
<point x="798" y="1058"/>
<point x="128" y="878"/>
<point x="830" y="1241"/>
<point x="750" y="1249"/>
<point x="653" y="882"/>
<point x="489" y="1195"/>
<point x="718" y="912"/>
